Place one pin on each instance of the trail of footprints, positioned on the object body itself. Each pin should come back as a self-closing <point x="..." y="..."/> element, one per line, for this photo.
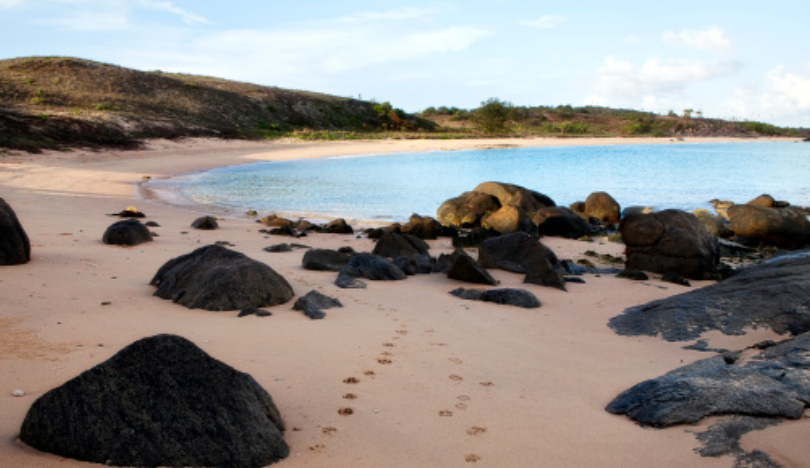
<point x="385" y="358"/>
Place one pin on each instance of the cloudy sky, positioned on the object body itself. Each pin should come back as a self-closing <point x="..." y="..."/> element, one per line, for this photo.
<point x="729" y="58"/>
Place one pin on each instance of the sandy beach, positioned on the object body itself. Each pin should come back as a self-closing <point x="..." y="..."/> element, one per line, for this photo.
<point x="441" y="382"/>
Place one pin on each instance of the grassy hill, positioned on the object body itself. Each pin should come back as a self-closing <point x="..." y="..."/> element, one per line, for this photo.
<point x="60" y="102"/>
<point x="56" y="101"/>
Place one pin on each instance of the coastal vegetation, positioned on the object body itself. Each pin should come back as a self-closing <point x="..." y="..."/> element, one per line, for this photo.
<point x="62" y="102"/>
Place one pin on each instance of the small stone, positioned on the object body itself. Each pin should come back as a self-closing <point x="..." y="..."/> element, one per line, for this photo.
<point x="18" y="393"/>
<point x="106" y="303"/>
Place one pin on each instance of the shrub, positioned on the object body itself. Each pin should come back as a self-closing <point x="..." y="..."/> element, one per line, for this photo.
<point x="492" y="115"/>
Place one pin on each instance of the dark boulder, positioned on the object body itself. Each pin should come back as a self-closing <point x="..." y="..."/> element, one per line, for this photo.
<point x="313" y="303"/>
<point x="603" y="207"/>
<point x="670" y="241"/>
<point x="465" y="268"/>
<point x="304" y="226"/>
<point x="325" y="260"/>
<point x="423" y="227"/>
<point x="509" y="219"/>
<point x="522" y="253"/>
<point x="560" y="221"/>
<point x="338" y="226"/>
<point x="415" y="265"/>
<point x="514" y="195"/>
<point x="709" y="387"/>
<point x="773" y="294"/>
<point x="373" y="267"/>
<point x="467" y="209"/>
<point x="127" y="232"/>
<point x="216" y="278"/>
<point x="782" y="227"/>
<point x="15" y="248"/>
<point x="160" y="401"/>
<point x="467" y="238"/>
<point x="394" y="245"/>
<point x="206" y="223"/>
<point x="506" y="296"/>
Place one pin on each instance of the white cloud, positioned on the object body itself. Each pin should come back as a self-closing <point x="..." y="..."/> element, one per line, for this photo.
<point x="544" y="22"/>
<point x="783" y="97"/>
<point x="400" y="14"/>
<point x="712" y="39"/>
<point x="623" y="79"/>
<point x="186" y="16"/>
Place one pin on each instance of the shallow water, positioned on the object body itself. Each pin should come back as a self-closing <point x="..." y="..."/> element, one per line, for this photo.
<point x="390" y="187"/>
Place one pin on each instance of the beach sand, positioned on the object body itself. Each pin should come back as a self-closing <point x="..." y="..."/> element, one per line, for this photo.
<point x="441" y="382"/>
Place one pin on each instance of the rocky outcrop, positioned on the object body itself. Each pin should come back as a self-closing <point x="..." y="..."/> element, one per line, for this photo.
<point x="325" y="260"/>
<point x="506" y="296"/>
<point x="670" y="241"/>
<point x="514" y="195"/>
<point x="205" y="223"/>
<point x="602" y="206"/>
<point x="465" y="268"/>
<point x="767" y="387"/>
<point x="716" y="225"/>
<point x="782" y="227"/>
<point x="216" y="278"/>
<point x="522" y="253"/>
<point x="15" y="248"/>
<point x="160" y="401"/>
<point x="394" y="245"/>
<point x="423" y="227"/>
<point x="313" y="304"/>
<point x="773" y="294"/>
<point x="467" y="209"/>
<point x="127" y="232"/>
<point x="560" y="221"/>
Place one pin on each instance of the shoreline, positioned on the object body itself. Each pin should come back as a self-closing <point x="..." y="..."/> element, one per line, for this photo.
<point x="442" y="382"/>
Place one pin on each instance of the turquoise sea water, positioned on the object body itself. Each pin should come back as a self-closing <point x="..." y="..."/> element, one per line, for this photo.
<point x="390" y="187"/>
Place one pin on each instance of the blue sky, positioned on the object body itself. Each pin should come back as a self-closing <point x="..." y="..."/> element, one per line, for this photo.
<point x="730" y="59"/>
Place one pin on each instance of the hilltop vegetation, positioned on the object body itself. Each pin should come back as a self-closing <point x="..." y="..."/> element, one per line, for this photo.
<point x="59" y="102"/>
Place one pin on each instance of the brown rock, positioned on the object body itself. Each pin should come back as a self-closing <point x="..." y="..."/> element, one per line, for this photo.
<point x="515" y="195"/>
<point x="509" y="219"/>
<point x="783" y="227"/>
<point x="603" y="207"/>
<point x="467" y="209"/>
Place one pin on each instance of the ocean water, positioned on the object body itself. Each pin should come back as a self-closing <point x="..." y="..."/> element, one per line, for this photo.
<point x="385" y="188"/>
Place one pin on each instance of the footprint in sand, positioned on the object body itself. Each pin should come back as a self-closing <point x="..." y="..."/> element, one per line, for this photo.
<point x="486" y="384"/>
<point x="455" y="377"/>
<point x="368" y="372"/>
<point x="345" y="411"/>
<point x="402" y="332"/>
<point x="476" y="430"/>
<point x="445" y="413"/>
<point x="461" y="406"/>
<point x="350" y="396"/>
<point x="471" y="458"/>
<point x="384" y="361"/>
<point x="455" y="360"/>
<point x="351" y="380"/>
<point x="389" y="345"/>
<point x="317" y="448"/>
<point x="330" y="430"/>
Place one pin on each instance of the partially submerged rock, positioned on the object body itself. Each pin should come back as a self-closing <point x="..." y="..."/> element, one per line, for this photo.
<point x="127" y="232"/>
<point x="773" y="294"/>
<point x="313" y="304"/>
<point x="216" y="278"/>
<point x="15" y="248"/>
<point x="507" y="296"/>
<point x="782" y="227"/>
<point x="160" y="401"/>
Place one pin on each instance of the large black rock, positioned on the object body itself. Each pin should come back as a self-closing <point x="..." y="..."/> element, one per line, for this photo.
<point x="160" y="401"/>
<point x="127" y="232"/>
<point x="313" y="303"/>
<point x="774" y="294"/>
<point x="15" y="248"/>
<point x="216" y="278"/>
<point x="521" y="253"/>
<point x="373" y="267"/>
<point x="506" y="296"/>
<point x="325" y="260"/>
<point x="465" y="268"/>
<point x="393" y="245"/>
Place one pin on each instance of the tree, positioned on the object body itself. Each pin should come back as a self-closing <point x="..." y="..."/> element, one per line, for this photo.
<point x="688" y="113"/>
<point x="492" y="115"/>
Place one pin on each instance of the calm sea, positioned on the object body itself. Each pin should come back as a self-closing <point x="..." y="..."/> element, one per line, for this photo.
<point x="383" y="188"/>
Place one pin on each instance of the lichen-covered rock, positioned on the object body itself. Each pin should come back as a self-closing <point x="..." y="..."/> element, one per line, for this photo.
<point x="216" y="278"/>
<point x="15" y="248"/>
<point x="467" y="209"/>
<point x="602" y="206"/>
<point x="783" y="227"/>
<point x="670" y="241"/>
<point x="127" y="232"/>
<point x="160" y="401"/>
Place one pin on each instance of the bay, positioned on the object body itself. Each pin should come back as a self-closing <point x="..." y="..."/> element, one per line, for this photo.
<point x="385" y="188"/>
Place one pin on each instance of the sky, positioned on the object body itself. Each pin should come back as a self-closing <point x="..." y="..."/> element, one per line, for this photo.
<point x="731" y="59"/>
